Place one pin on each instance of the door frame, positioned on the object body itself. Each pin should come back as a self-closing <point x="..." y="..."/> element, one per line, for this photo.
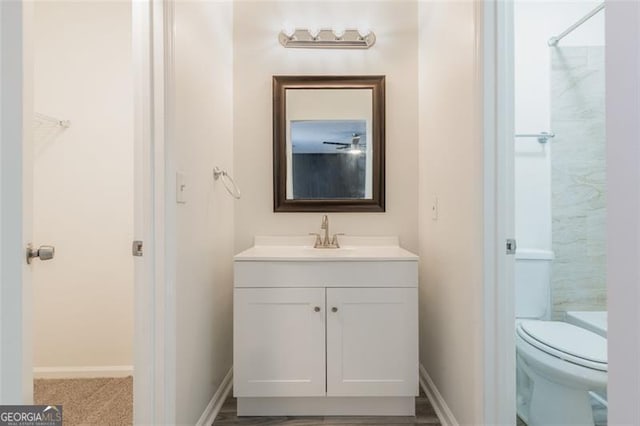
<point x="154" y="330"/>
<point x="623" y="210"/>
<point x="154" y="334"/>
<point x="496" y="113"/>
<point x="16" y="386"/>
<point x="622" y="32"/>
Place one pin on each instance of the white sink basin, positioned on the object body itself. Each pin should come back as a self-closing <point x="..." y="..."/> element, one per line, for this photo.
<point x="310" y="251"/>
<point x="299" y="249"/>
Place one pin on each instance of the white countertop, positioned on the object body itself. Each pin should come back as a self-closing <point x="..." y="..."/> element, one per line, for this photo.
<point x="287" y="249"/>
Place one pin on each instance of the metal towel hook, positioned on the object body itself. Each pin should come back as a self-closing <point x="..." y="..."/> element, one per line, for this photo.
<point x="227" y="180"/>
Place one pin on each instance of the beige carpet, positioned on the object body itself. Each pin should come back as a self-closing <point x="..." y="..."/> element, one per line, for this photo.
<point x="107" y="401"/>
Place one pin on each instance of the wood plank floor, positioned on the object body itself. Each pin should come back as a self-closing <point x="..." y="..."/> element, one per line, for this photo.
<point x="425" y="415"/>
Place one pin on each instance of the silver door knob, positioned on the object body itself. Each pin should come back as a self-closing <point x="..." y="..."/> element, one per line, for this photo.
<point x="43" y="253"/>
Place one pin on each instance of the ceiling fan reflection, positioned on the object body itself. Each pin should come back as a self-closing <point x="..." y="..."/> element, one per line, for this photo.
<point x="353" y="147"/>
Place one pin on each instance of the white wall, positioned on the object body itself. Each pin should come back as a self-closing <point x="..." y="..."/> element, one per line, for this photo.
<point x="203" y="139"/>
<point x="83" y="185"/>
<point x="623" y="204"/>
<point x="535" y="21"/>
<point x="258" y="56"/>
<point x="451" y="155"/>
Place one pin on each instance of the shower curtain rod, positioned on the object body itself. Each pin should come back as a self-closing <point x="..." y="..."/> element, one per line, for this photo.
<point x="553" y="41"/>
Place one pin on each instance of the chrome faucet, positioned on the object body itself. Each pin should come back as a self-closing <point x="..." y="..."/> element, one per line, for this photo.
<point x="324" y="241"/>
<point x="324" y="225"/>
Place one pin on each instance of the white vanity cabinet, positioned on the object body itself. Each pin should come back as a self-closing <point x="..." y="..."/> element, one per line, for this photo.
<point x="372" y="344"/>
<point x="279" y="346"/>
<point x="320" y="332"/>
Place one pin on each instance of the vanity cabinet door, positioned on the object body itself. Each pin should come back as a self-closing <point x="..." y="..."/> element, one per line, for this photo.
<point x="279" y="342"/>
<point x="372" y="341"/>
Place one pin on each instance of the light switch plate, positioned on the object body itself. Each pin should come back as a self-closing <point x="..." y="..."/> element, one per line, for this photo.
<point x="181" y="188"/>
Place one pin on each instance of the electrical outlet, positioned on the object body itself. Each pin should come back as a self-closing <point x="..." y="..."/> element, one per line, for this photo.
<point x="181" y="188"/>
<point x="434" y="208"/>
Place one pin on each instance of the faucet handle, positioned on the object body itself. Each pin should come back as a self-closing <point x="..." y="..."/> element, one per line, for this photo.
<point x="318" y="241"/>
<point x="334" y="239"/>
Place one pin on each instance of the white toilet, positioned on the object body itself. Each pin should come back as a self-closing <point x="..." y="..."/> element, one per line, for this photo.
<point x="558" y="363"/>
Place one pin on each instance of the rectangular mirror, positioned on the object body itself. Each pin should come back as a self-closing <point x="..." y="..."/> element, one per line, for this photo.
<point x="328" y="143"/>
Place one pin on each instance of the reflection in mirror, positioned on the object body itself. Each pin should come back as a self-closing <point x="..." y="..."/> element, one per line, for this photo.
<point x="329" y="159"/>
<point x="328" y="143"/>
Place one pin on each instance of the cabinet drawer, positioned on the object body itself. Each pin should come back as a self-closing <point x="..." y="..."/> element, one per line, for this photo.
<point x="326" y="274"/>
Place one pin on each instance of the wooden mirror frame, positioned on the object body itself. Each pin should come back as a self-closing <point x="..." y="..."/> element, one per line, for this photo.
<point x="280" y="86"/>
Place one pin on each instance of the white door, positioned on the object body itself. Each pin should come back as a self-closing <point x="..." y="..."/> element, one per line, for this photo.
<point x="372" y="341"/>
<point x="16" y="384"/>
<point x="279" y="337"/>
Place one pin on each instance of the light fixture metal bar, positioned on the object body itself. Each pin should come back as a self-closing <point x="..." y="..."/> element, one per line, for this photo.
<point x="327" y="39"/>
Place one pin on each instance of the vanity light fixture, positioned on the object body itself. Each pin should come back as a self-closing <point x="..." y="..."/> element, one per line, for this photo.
<point x="327" y="39"/>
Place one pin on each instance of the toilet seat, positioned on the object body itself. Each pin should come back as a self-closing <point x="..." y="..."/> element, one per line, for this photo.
<point x="567" y="342"/>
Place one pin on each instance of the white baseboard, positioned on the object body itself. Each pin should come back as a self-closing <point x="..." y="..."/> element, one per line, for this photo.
<point x="82" y="372"/>
<point x="327" y="406"/>
<point x="213" y="408"/>
<point x="437" y="401"/>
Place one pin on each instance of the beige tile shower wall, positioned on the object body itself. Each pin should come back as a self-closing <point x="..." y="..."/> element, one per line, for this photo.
<point x="258" y="56"/>
<point x="578" y="179"/>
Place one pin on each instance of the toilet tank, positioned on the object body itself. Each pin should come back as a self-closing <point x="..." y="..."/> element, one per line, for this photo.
<point x="533" y="283"/>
